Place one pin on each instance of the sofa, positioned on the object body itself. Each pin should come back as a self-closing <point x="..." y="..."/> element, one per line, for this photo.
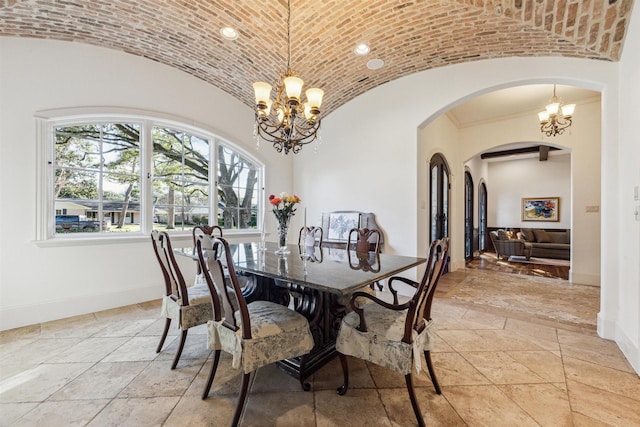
<point x="547" y="243"/>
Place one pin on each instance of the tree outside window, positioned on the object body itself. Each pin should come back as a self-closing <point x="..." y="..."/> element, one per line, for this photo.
<point x="98" y="179"/>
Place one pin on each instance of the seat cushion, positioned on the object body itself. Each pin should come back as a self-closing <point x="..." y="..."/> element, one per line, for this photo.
<point x="382" y="343"/>
<point x="277" y="333"/>
<point x="198" y="312"/>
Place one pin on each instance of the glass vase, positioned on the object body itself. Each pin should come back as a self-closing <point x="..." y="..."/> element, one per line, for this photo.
<point x="283" y="230"/>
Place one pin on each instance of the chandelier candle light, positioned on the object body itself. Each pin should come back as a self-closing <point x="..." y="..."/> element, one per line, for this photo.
<point x="556" y="117"/>
<point x="283" y="209"/>
<point x="286" y="122"/>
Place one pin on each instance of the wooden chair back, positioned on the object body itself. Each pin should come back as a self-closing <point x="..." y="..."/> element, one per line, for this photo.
<point x="214" y="256"/>
<point x="208" y="230"/>
<point x="175" y="286"/>
<point x="419" y="312"/>
<point x="364" y="240"/>
<point x="316" y="232"/>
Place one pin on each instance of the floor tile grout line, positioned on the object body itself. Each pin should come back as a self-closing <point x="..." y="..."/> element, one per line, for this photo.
<point x="560" y="350"/>
<point x="566" y="383"/>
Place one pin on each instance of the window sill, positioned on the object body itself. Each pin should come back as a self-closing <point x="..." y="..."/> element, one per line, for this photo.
<point x="181" y="239"/>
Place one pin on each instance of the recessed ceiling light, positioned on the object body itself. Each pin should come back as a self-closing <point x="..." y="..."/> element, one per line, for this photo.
<point x="362" y="49"/>
<point x="229" y="33"/>
<point x="375" y="64"/>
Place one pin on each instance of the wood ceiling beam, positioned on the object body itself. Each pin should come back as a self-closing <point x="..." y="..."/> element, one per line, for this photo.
<point x="524" y="150"/>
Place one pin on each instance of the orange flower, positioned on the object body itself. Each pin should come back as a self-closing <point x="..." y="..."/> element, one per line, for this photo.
<point x="287" y="209"/>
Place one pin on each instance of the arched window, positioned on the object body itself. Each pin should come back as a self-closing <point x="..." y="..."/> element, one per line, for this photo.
<point x="116" y="175"/>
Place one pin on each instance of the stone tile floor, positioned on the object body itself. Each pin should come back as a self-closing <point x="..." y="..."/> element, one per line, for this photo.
<point x="496" y="368"/>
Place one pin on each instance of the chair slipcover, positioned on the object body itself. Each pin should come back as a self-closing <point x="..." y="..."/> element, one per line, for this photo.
<point x="382" y="343"/>
<point x="277" y="333"/>
<point x="196" y="313"/>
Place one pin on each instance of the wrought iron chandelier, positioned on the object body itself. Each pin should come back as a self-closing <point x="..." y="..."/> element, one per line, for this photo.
<point x="556" y="117"/>
<point x="286" y="122"/>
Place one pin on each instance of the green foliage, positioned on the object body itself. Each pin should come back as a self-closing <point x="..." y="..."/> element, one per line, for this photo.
<point x="111" y="152"/>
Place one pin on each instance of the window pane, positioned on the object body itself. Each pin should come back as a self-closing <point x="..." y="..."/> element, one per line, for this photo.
<point x="237" y="190"/>
<point x="78" y="146"/>
<point x="97" y="178"/>
<point x="181" y="179"/>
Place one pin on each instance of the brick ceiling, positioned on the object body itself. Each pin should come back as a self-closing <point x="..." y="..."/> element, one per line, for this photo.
<point x="409" y="36"/>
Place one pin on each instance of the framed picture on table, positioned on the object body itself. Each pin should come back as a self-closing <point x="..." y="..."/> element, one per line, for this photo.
<point x="340" y="223"/>
<point x="541" y="209"/>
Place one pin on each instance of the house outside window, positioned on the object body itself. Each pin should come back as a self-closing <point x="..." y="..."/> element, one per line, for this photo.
<point x="123" y="175"/>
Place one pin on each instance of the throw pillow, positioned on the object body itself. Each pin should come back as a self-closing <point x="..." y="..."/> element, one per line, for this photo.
<point x="528" y="235"/>
<point x="542" y="236"/>
<point x="503" y="235"/>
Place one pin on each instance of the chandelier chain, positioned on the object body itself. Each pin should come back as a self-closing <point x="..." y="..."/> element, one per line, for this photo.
<point x="288" y="35"/>
<point x="286" y="121"/>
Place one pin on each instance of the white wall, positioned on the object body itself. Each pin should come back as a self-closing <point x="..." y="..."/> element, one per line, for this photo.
<point x="43" y="283"/>
<point x="479" y="170"/>
<point x="513" y="180"/>
<point x="620" y="319"/>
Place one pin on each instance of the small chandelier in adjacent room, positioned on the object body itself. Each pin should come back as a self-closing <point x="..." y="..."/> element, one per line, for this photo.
<point x="556" y="117"/>
<point x="286" y="122"/>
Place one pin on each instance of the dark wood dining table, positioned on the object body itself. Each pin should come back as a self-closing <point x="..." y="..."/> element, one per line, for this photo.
<point x="316" y="282"/>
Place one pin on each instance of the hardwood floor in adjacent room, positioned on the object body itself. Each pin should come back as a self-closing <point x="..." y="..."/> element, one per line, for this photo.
<point x="539" y="267"/>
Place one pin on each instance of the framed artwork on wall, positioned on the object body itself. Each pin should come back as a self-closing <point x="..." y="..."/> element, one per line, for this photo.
<point x="541" y="209"/>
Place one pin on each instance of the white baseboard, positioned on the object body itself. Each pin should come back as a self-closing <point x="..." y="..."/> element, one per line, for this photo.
<point x="584" y="279"/>
<point x="630" y="350"/>
<point x="608" y="329"/>
<point x="25" y="315"/>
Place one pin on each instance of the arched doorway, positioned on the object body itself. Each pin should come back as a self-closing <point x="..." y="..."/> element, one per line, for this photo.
<point x="482" y="217"/>
<point x="468" y="216"/>
<point x="439" y="187"/>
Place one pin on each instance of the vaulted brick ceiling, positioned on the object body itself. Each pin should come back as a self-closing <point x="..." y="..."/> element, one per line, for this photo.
<point x="409" y="36"/>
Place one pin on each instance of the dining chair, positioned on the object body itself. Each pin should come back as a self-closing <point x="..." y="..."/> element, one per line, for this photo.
<point x="188" y="306"/>
<point x="313" y="234"/>
<point x="210" y="230"/>
<point x="255" y="334"/>
<point x="365" y="241"/>
<point x="309" y="239"/>
<point x="393" y="335"/>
